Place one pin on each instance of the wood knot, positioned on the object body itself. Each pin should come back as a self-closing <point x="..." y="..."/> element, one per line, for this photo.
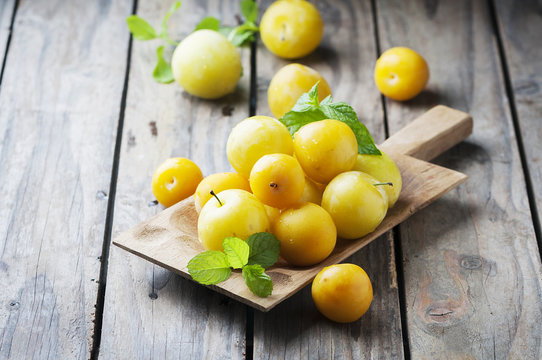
<point x="471" y="262"/>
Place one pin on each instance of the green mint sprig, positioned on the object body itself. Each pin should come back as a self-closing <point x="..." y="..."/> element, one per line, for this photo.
<point x="308" y="109"/>
<point x="241" y="35"/>
<point x="260" y="251"/>
<point x="142" y="30"/>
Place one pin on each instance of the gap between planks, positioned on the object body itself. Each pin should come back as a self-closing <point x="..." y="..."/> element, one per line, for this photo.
<point x="515" y="121"/>
<point x="8" y="41"/>
<point x="395" y="232"/>
<point x="104" y="259"/>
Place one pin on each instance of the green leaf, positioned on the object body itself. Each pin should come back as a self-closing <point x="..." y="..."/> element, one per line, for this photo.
<point x="165" y="20"/>
<point x="257" y="280"/>
<point x="243" y="34"/>
<point x="307" y="110"/>
<point x="294" y="120"/>
<point x="242" y="38"/>
<point x="209" y="23"/>
<point x="226" y="30"/>
<point x="209" y="267"/>
<point x="162" y="72"/>
<point x="249" y="9"/>
<point x="140" y="28"/>
<point x="264" y="249"/>
<point x="236" y="251"/>
<point x="308" y="101"/>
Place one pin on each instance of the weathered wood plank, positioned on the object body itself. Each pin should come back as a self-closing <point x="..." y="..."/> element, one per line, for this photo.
<point x="149" y="311"/>
<point x="520" y="26"/>
<point x="60" y="100"/>
<point x="295" y="329"/>
<point x="471" y="265"/>
<point x="6" y="14"/>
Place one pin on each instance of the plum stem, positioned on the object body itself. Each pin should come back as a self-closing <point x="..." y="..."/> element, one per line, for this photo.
<point x="213" y="193"/>
<point x="273" y="185"/>
<point x="386" y="183"/>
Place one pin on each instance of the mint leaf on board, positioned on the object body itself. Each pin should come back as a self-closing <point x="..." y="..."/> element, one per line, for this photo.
<point x="140" y="28"/>
<point x="163" y="33"/>
<point x="257" y="280"/>
<point x="162" y="72"/>
<point x="307" y="109"/>
<point x="209" y="267"/>
<point x="209" y="23"/>
<point x="249" y="9"/>
<point x="264" y="249"/>
<point x="236" y="251"/>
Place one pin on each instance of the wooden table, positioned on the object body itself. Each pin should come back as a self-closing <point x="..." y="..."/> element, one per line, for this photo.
<point x="83" y="126"/>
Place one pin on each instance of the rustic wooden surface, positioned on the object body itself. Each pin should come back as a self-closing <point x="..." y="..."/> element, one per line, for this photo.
<point x="469" y="257"/>
<point x="520" y="26"/>
<point x="59" y="100"/>
<point x="467" y="282"/>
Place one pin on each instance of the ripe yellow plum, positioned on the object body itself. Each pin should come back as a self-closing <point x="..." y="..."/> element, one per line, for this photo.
<point x="277" y="180"/>
<point x="291" y="28"/>
<point x="255" y="137"/>
<point x="306" y="233"/>
<point x="342" y="292"/>
<point x="385" y="170"/>
<point x="206" y="64"/>
<point x="289" y="83"/>
<point x="356" y="205"/>
<point x="239" y="213"/>
<point x="325" y="149"/>
<point x="174" y="180"/>
<point x="218" y="182"/>
<point x="401" y="73"/>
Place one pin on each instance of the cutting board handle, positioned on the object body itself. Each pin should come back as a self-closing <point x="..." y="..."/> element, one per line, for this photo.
<point x="431" y="134"/>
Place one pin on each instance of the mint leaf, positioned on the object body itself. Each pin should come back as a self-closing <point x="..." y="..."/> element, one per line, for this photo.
<point x="243" y="34"/>
<point x="172" y="9"/>
<point x="294" y="120"/>
<point x="162" y="72"/>
<point x="307" y="109"/>
<point x="242" y="37"/>
<point x="249" y="9"/>
<point x="209" y="267"/>
<point x="140" y="28"/>
<point x="236" y="251"/>
<point x="257" y="280"/>
<point x="226" y="30"/>
<point x="209" y="23"/>
<point x="264" y="249"/>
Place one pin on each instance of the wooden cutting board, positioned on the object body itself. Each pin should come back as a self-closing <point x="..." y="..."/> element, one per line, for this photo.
<point x="170" y="239"/>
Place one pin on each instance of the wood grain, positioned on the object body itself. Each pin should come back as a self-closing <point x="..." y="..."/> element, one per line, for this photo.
<point x="471" y="265"/>
<point x="60" y="100"/>
<point x="149" y="311"/>
<point x="520" y="25"/>
<point x="295" y="329"/>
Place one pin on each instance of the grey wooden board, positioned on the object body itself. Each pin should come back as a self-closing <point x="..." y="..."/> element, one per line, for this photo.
<point x="472" y="269"/>
<point x="149" y="311"/>
<point x="520" y="24"/>
<point x="59" y="102"/>
<point x="295" y="329"/>
<point x="6" y="13"/>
